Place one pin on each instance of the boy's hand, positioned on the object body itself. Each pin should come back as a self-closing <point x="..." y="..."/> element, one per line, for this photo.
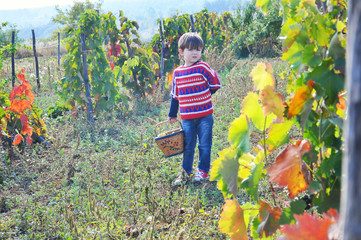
<point x="172" y="119"/>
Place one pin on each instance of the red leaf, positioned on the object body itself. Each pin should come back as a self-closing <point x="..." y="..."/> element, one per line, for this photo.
<point x="21" y="77"/>
<point x="310" y="227"/>
<point x="17" y="140"/>
<point x="30" y="95"/>
<point x="269" y="219"/>
<point x="29" y="140"/>
<point x="341" y="101"/>
<point x="289" y="170"/>
<point x="19" y="106"/>
<point x="17" y="91"/>
<point x="26" y="129"/>
<point x="23" y="119"/>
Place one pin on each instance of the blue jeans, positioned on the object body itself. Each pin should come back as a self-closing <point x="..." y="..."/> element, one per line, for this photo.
<point x="201" y="128"/>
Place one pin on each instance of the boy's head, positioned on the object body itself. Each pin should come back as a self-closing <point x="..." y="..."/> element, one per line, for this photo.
<point x="190" y="40"/>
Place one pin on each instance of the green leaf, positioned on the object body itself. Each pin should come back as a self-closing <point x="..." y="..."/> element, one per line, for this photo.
<point x="332" y="164"/>
<point x="225" y="170"/>
<point x="310" y="57"/>
<point x="286" y="216"/>
<point x="294" y="55"/>
<point x="239" y="134"/>
<point x="264" y="5"/>
<point x="328" y="80"/>
<point x="315" y="187"/>
<point x="252" y="182"/>
<point x="298" y="206"/>
<point x="278" y="134"/>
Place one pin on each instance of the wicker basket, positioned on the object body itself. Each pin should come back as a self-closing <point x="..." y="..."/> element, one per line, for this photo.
<point x="171" y="142"/>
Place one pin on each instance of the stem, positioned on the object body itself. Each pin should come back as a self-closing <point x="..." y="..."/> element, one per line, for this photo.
<point x="309" y="168"/>
<point x="273" y="193"/>
<point x="264" y="140"/>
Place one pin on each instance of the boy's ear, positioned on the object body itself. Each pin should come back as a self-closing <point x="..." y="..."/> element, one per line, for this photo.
<point x="180" y="52"/>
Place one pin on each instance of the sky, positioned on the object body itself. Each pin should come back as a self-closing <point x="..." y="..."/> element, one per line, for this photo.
<point x="21" y="4"/>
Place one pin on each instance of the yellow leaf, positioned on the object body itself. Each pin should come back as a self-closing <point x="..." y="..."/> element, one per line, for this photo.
<point x="245" y="165"/>
<point x="262" y="75"/>
<point x="340" y="26"/>
<point x="272" y="102"/>
<point x="232" y="221"/>
<point x="253" y="110"/>
<point x="239" y="133"/>
<point x="277" y="134"/>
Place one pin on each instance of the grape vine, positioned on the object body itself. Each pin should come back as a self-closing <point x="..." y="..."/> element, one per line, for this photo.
<point x="314" y="46"/>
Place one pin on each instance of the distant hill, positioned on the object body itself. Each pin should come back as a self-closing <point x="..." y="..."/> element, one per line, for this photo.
<point x="145" y="12"/>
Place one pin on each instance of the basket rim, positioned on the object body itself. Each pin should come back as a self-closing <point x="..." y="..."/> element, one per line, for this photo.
<point x="170" y="135"/>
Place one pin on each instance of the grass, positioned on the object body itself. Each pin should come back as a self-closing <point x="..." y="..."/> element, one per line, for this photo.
<point x="111" y="181"/>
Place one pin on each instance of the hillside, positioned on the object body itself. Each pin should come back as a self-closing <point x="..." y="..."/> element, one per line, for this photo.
<point x="145" y="12"/>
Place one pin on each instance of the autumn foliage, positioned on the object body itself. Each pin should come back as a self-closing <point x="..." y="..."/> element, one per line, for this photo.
<point x="19" y="117"/>
<point x="292" y="143"/>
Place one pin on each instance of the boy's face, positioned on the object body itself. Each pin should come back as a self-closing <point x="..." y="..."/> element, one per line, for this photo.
<point x="190" y="56"/>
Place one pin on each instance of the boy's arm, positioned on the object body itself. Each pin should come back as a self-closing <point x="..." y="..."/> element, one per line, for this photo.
<point x="213" y="90"/>
<point x="212" y="78"/>
<point x="173" y="110"/>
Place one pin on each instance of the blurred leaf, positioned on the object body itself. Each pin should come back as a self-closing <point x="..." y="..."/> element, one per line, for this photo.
<point x="272" y="102"/>
<point x="17" y="140"/>
<point x="251" y="184"/>
<point x="262" y="76"/>
<point x="264" y="5"/>
<point x="277" y="134"/>
<point x="269" y="219"/>
<point x="232" y="221"/>
<point x="328" y="80"/>
<point x="253" y="110"/>
<point x="310" y="226"/>
<point x="225" y="170"/>
<point x="288" y="170"/>
<point x="299" y="100"/>
<point x="239" y="133"/>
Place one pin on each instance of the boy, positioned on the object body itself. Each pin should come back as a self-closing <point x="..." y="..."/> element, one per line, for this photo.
<point x="193" y="84"/>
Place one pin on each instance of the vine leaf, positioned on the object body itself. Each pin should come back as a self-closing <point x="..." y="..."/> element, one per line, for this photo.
<point x="264" y="5"/>
<point x="253" y="110"/>
<point x="277" y="134"/>
<point x="299" y="100"/>
<point x="232" y="220"/>
<point x="341" y="105"/>
<point x="239" y="133"/>
<point x="17" y="140"/>
<point x="19" y="106"/>
<point x="272" y="102"/>
<point x="262" y="76"/>
<point x="269" y="219"/>
<point x="310" y="226"/>
<point x="289" y="169"/>
<point x="225" y="170"/>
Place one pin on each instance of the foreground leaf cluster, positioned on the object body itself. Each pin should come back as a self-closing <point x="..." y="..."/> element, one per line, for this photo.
<point x="293" y="142"/>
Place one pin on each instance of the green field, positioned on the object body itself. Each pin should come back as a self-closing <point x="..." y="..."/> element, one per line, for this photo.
<point x="111" y="181"/>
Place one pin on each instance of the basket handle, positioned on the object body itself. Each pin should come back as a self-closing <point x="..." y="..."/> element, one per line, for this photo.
<point x="161" y="123"/>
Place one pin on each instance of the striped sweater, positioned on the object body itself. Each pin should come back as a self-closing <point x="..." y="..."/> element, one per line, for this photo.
<point x="191" y="87"/>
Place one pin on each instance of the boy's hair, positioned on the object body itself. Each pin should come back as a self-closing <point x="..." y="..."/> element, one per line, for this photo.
<point x="190" y="40"/>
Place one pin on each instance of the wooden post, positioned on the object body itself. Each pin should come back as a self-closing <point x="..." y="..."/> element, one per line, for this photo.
<point x="192" y="21"/>
<point x="58" y="49"/>
<point x="161" y="54"/>
<point x="13" y="59"/>
<point x="36" y="60"/>
<point x="351" y="165"/>
<point x="86" y="80"/>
